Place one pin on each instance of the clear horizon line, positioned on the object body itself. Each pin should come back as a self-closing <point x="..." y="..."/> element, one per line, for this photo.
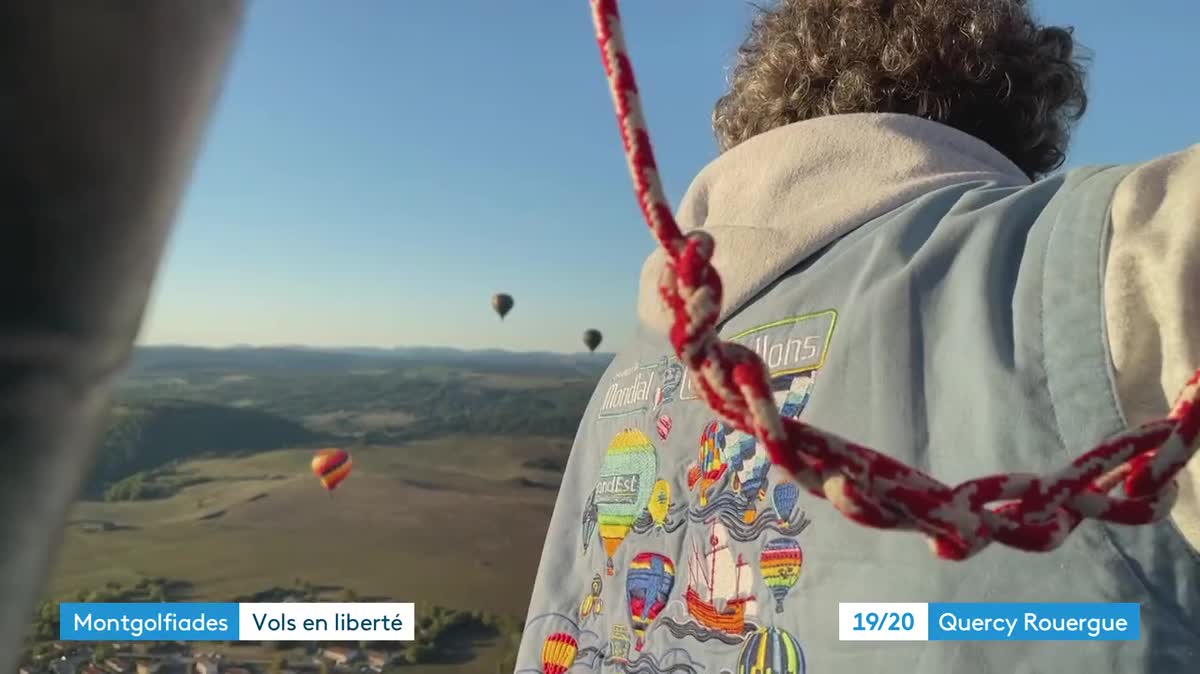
<point x="344" y="347"/>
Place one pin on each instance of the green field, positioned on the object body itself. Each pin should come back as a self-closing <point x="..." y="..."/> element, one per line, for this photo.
<point x="203" y="482"/>
<point x="447" y="521"/>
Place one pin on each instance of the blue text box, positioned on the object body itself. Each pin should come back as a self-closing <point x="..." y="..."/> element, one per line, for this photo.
<point x="1034" y="622"/>
<point x="132" y="621"/>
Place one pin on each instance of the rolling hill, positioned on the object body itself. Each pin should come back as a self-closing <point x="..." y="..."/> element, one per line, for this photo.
<point x="151" y="360"/>
<point x="150" y="436"/>
<point x="203" y="478"/>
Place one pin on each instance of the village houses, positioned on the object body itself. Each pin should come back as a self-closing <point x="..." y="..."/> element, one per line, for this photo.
<point x="118" y="665"/>
<point x="149" y="667"/>
<point x="339" y="655"/>
<point x="377" y="660"/>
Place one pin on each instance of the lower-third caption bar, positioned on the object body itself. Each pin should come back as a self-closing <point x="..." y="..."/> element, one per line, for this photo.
<point x="989" y="622"/>
<point x="186" y="621"/>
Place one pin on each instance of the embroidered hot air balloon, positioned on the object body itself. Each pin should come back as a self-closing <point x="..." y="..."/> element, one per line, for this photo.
<point x="793" y="401"/>
<point x="331" y="466"/>
<point x="770" y="650"/>
<point x="670" y="373"/>
<point x="558" y="653"/>
<point x="623" y="490"/>
<point x="664" y="426"/>
<point x="711" y="465"/>
<point x="502" y="303"/>
<point x="749" y="467"/>
<point x="649" y="582"/>
<point x="781" y="561"/>
<point x="660" y="502"/>
<point x="783" y="497"/>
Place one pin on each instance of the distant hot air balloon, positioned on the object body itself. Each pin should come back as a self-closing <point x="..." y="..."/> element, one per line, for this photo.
<point x="331" y="466"/>
<point x="623" y="490"/>
<point x="502" y="303"/>
<point x="649" y="582"/>
<point x="780" y="562"/>
<point x="558" y="653"/>
<point x="783" y="497"/>
<point x="592" y="339"/>
<point x="770" y="650"/>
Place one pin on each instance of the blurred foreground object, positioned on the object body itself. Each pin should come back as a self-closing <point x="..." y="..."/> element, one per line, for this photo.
<point x="102" y="107"/>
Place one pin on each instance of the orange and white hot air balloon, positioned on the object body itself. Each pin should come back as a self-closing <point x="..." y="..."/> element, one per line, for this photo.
<point x="331" y="466"/>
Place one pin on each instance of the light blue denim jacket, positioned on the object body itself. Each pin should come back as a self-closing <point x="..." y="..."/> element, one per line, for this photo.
<point x="961" y="332"/>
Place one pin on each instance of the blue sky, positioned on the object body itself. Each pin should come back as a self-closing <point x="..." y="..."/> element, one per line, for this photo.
<point x="375" y="170"/>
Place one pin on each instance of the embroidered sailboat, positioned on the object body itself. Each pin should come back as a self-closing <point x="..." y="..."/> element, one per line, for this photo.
<point x="719" y="593"/>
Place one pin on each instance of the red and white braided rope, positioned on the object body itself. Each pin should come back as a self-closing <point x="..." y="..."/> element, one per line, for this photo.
<point x="1023" y="511"/>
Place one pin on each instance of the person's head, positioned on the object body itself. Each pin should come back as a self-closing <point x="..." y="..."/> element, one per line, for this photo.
<point x="984" y="67"/>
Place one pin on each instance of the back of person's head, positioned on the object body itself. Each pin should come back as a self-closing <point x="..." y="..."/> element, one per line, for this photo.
<point x="984" y="67"/>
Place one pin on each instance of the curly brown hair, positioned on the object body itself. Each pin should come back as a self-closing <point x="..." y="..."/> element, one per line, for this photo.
<point x="984" y="67"/>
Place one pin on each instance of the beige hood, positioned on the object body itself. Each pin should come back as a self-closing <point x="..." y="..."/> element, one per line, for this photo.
<point x="783" y="195"/>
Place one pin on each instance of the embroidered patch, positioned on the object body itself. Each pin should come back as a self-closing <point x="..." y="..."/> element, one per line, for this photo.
<point x="642" y="387"/>
<point x="648" y="585"/>
<point x="589" y="646"/>
<point x="731" y="476"/>
<point x="623" y="490"/>
<point x="726" y="494"/>
<point x="720" y="586"/>
<point x="618" y="644"/>
<point x="663" y="427"/>
<point x="631" y="391"/>
<point x="660" y="502"/>
<point x="674" y="661"/>
<point x="558" y="653"/>
<point x="592" y="605"/>
<point x="590" y="517"/>
<point x="749" y="472"/>
<point x="780" y="562"/>
<point x="661" y="513"/>
<point x="670" y="376"/>
<point x="789" y="347"/>
<point x="771" y="650"/>
<point x="707" y="473"/>
<point x="783" y="499"/>
<point x="732" y="458"/>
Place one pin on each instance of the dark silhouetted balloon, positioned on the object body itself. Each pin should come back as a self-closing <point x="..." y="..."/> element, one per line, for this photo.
<point x="592" y="339"/>
<point x="502" y="303"/>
